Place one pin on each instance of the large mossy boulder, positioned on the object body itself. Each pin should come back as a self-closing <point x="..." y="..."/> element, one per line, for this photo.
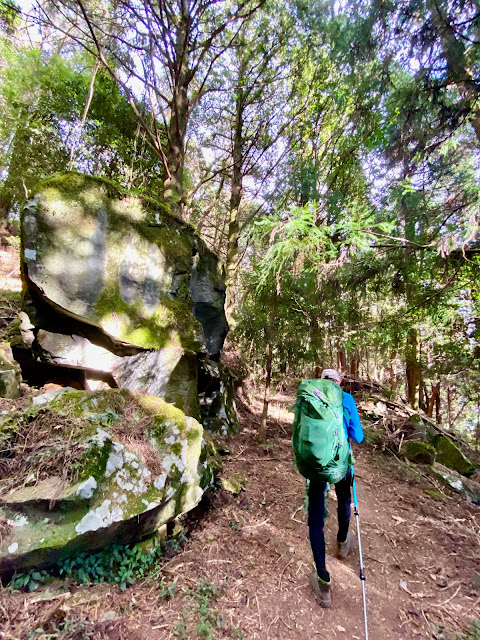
<point x="123" y="264"/>
<point x="170" y="372"/>
<point x="417" y="427"/>
<point x="89" y="469"/>
<point x="464" y="486"/>
<point x="119" y="288"/>
<point x="450" y="455"/>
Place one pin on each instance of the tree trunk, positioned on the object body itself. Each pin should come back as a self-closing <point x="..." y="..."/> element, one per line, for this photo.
<point x="177" y="127"/>
<point x="433" y="400"/>
<point x="235" y="194"/>
<point x="458" y="71"/>
<point x="423" y="399"/>
<point x="342" y="360"/>
<point x="438" y="415"/>
<point x="392" y="376"/>
<point x="449" y="407"/>
<point x="5" y="205"/>
<point x="88" y="102"/>
<point x="354" y="362"/>
<point x="11" y="185"/>
<point x="262" y="430"/>
<point x="412" y="366"/>
<point x="412" y="369"/>
<point x="477" y="431"/>
<point x="367" y="358"/>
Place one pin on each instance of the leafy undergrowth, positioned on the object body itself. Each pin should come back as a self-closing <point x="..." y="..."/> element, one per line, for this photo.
<point x="115" y="564"/>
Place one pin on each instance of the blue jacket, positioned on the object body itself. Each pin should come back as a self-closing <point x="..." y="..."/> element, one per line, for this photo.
<point x="351" y="421"/>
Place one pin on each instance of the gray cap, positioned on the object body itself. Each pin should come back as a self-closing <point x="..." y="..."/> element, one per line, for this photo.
<point x="332" y="374"/>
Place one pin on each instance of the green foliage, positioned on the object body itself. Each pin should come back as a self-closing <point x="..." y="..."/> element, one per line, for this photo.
<point x="42" y="102"/>
<point x="117" y="564"/>
<point x="204" y="594"/>
<point x="203" y="615"/>
<point x="29" y="581"/>
<point x="9" y="16"/>
<point x="357" y="133"/>
<point x="374" y="241"/>
<point x="181" y="628"/>
<point x="107" y="419"/>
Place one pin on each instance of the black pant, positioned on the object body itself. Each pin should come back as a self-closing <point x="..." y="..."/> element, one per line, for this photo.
<point x="316" y="516"/>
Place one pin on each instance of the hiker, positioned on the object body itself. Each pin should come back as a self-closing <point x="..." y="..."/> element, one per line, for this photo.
<point x="337" y="471"/>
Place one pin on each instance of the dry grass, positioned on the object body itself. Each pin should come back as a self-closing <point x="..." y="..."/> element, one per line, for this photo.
<point x="38" y="448"/>
<point x="131" y="431"/>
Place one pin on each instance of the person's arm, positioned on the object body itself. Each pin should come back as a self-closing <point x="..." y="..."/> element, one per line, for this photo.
<point x="354" y="427"/>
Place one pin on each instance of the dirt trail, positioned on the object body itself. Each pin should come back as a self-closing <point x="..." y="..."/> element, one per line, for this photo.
<point x="420" y="555"/>
<point x="244" y="571"/>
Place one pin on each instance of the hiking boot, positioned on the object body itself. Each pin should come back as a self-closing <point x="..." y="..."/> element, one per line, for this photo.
<point x="321" y="589"/>
<point x="343" y="548"/>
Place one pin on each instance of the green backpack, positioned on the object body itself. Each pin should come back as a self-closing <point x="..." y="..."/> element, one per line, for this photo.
<point x="319" y="439"/>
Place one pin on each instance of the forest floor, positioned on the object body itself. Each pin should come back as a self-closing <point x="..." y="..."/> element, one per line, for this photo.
<point x="244" y="570"/>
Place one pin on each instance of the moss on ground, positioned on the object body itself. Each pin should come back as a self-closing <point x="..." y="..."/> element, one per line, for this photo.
<point x="436" y="495"/>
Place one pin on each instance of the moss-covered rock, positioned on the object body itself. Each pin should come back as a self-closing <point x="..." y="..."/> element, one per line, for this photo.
<point x="450" y="455"/>
<point x="127" y="464"/>
<point x="118" y="287"/>
<point x="417" y="427"/>
<point x="170" y="372"/>
<point x="419" y="452"/>
<point x="124" y="264"/>
<point x="208" y="292"/>
<point x="9" y="387"/>
<point x="373" y="436"/>
<point x="466" y="487"/>
<point x="216" y="386"/>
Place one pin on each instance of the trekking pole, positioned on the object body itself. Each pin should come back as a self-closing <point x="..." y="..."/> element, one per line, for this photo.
<point x="362" y="572"/>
